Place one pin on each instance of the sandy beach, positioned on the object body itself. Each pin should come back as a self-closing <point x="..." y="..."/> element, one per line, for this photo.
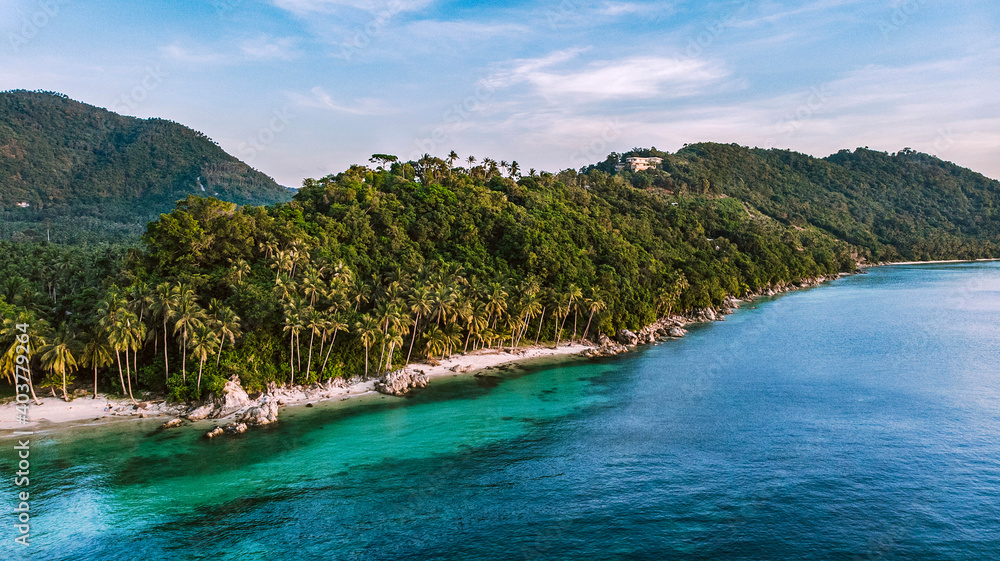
<point x="88" y="410"/>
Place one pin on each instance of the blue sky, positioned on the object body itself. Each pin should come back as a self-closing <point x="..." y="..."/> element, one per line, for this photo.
<point x="302" y="88"/>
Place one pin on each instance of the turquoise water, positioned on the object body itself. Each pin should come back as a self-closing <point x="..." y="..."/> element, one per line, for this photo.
<point x="858" y="420"/>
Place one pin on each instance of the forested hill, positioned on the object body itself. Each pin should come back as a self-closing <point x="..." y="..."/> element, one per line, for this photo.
<point x="86" y="171"/>
<point x="904" y="205"/>
<point x="372" y="268"/>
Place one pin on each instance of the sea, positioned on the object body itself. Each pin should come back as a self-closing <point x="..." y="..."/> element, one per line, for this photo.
<point x="857" y="420"/>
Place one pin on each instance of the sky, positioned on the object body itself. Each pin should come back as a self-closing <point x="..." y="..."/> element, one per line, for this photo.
<point x="304" y="88"/>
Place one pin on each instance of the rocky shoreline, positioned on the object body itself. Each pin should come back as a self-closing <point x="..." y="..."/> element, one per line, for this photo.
<point x="672" y="327"/>
<point x="239" y="412"/>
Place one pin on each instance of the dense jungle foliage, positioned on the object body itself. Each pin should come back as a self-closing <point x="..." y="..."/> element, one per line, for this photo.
<point x="375" y="267"/>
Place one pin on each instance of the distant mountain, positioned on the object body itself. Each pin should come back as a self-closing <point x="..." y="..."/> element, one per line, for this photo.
<point x="85" y="171"/>
<point x="903" y="205"/>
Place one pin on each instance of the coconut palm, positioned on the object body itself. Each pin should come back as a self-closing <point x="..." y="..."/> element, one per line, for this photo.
<point x="226" y="323"/>
<point x="367" y="330"/>
<point x="96" y="354"/>
<point x="162" y="306"/>
<point x="203" y="342"/>
<point x="59" y="356"/>
<point x="436" y="341"/>
<point x="572" y="293"/>
<point x="335" y="324"/>
<point x="292" y="326"/>
<point x="314" y="323"/>
<point x="17" y="340"/>
<point x="421" y="304"/>
<point x="595" y="305"/>
<point x="188" y="315"/>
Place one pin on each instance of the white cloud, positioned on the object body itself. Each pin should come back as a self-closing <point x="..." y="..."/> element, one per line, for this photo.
<point x="319" y="98"/>
<point x="188" y="55"/>
<point x="266" y="48"/>
<point x="633" y="77"/>
<point x="306" y="7"/>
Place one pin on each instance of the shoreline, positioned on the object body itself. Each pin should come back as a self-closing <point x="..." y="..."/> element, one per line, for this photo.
<point x="55" y="414"/>
<point x="941" y="261"/>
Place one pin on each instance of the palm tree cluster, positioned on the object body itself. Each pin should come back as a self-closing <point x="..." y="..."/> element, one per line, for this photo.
<point x="127" y="322"/>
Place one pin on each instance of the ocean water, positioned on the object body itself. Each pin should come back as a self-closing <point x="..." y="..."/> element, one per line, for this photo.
<point x="857" y="420"/>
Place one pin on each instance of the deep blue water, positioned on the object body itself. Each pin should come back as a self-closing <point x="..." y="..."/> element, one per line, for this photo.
<point x="857" y="420"/>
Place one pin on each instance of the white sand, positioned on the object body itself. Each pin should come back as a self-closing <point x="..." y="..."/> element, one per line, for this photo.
<point x="55" y="410"/>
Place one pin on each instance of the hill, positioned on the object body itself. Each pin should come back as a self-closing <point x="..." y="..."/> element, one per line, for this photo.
<point x="91" y="173"/>
<point x="904" y="205"/>
<point x="367" y="269"/>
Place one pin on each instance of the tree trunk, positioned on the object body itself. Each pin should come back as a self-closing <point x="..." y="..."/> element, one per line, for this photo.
<point x="184" y="356"/>
<point x="166" y="364"/>
<point x="328" y="351"/>
<point x="540" y="320"/>
<point x="128" y="376"/>
<point x="218" y="356"/>
<point x="95" y="380"/>
<point x="310" y="361"/>
<point x="291" y="356"/>
<point x="201" y="364"/>
<point x="412" y="339"/>
<point x="585" y="331"/>
<point x="121" y="378"/>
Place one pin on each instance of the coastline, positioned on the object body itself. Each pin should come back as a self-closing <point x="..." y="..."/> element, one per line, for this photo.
<point x="935" y="262"/>
<point x="56" y="414"/>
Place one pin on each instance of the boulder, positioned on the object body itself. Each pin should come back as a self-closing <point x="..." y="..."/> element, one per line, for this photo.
<point x="172" y="423"/>
<point x="400" y="382"/>
<point x="233" y="398"/>
<point x="263" y="414"/>
<point x="676" y="332"/>
<point x="202" y="412"/>
<point x="627" y="338"/>
<point x="214" y="432"/>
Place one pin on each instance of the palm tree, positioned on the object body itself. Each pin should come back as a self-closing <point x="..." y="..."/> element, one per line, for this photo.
<point x="226" y="322"/>
<point x="110" y="313"/>
<point x="122" y="335"/>
<point x="203" y="342"/>
<point x="188" y="315"/>
<point x="477" y="322"/>
<point x="420" y="304"/>
<point x="452" y="156"/>
<point x="367" y="330"/>
<point x="595" y="305"/>
<point x="58" y="356"/>
<point x="531" y="305"/>
<point x="13" y="338"/>
<point x="313" y="322"/>
<point x="292" y="326"/>
<point x="395" y="340"/>
<point x="496" y="302"/>
<point x="140" y="298"/>
<point x="239" y="270"/>
<point x="571" y="293"/>
<point x="162" y="306"/>
<point x="97" y="354"/>
<point x="437" y="341"/>
<point x="335" y="323"/>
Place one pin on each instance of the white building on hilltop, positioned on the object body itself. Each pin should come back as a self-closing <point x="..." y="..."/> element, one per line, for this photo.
<point x="636" y="163"/>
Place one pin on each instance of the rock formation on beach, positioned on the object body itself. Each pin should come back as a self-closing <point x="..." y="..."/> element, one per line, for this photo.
<point x="400" y="382"/>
